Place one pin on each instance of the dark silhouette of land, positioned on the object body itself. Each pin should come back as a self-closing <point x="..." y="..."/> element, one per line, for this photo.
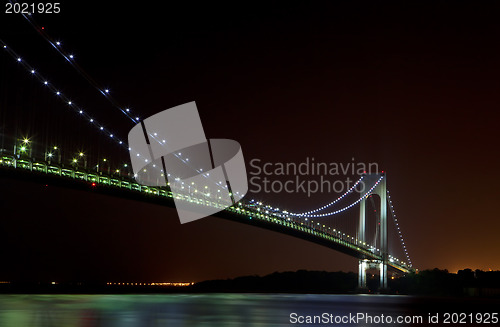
<point x="428" y="282"/>
<point x="436" y="282"/>
<point x="440" y="282"/>
<point x="301" y="281"/>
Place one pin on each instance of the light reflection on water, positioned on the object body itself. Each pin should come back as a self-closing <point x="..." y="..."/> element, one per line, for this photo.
<point x="185" y="310"/>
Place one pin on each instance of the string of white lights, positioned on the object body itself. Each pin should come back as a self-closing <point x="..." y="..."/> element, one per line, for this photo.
<point x="398" y="228"/>
<point x="331" y="203"/>
<point x="345" y="208"/>
<point x="65" y="99"/>
<point x="70" y="58"/>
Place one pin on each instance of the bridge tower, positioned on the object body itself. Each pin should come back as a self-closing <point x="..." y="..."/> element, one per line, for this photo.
<point x="364" y="264"/>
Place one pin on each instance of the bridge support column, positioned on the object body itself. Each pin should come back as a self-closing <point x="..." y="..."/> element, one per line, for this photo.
<point x="362" y="274"/>
<point x="361" y="237"/>
<point x="384" y="252"/>
<point x="383" y="275"/>
<point x="381" y="191"/>
<point x="364" y="265"/>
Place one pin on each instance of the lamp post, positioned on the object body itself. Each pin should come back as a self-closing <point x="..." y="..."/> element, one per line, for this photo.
<point x="56" y="150"/>
<point x="81" y="155"/>
<point x="125" y="166"/>
<point x="104" y="161"/>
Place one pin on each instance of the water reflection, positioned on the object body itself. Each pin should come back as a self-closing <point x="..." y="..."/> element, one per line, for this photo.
<point x="189" y="310"/>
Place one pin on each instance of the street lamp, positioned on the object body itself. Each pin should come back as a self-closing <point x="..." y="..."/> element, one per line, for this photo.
<point x="23" y="147"/>
<point x="48" y="156"/>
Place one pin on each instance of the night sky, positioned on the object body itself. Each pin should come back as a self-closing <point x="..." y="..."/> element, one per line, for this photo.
<point x="413" y="88"/>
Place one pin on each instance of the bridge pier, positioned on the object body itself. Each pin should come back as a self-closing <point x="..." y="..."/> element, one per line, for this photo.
<point x="362" y="274"/>
<point x="383" y="275"/>
<point x="364" y="264"/>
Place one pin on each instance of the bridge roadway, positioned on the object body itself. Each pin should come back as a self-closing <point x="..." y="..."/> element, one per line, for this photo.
<point x="125" y="187"/>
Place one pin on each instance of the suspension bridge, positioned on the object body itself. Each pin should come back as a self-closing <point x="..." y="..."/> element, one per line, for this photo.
<point x="361" y="223"/>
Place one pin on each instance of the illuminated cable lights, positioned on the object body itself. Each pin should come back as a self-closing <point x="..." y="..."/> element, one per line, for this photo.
<point x="70" y="57"/>
<point x="345" y="208"/>
<point x="69" y="102"/>
<point x="331" y="203"/>
<point x="400" y="234"/>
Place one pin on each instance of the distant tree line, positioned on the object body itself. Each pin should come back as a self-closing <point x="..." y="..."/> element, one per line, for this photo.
<point x="442" y="282"/>
<point x="301" y="281"/>
<point x="428" y="282"/>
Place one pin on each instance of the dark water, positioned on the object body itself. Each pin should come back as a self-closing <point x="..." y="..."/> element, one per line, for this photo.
<point x="233" y="310"/>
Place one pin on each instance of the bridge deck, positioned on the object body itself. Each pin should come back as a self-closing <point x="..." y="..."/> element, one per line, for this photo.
<point x="124" y="187"/>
